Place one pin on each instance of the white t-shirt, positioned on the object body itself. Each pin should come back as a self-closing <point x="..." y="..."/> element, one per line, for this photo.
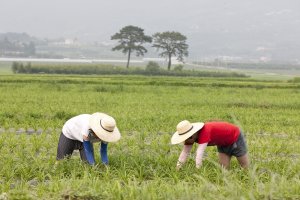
<point x="76" y="127"/>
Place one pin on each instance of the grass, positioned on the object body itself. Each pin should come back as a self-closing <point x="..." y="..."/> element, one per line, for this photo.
<point x="147" y="110"/>
<point x="5" y="68"/>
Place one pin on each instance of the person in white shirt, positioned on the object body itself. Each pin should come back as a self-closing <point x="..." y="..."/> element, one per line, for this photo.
<point x="81" y="131"/>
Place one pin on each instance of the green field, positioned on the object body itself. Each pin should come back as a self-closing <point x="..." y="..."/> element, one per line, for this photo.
<point x="5" y="68"/>
<point x="147" y="110"/>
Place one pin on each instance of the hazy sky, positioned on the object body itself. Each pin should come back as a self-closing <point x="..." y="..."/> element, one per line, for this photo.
<point x="53" y="18"/>
<point x="203" y="21"/>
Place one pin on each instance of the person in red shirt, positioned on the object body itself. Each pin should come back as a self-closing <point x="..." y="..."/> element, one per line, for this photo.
<point x="226" y="136"/>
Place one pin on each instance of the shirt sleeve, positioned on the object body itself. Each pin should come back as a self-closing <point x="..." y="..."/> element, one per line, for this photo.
<point x="103" y="153"/>
<point x="199" y="154"/>
<point x="89" y="152"/>
<point x="85" y="136"/>
<point x="184" y="153"/>
<point x="85" y="133"/>
<point x="204" y="136"/>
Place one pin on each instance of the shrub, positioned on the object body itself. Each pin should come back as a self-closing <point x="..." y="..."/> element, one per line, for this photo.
<point x="295" y="80"/>
<point x="14" y="67"/>
<point x="178" y="68"/>
<point x="152" y="67"/>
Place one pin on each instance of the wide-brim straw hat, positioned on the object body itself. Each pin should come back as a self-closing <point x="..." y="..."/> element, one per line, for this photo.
<point x="185" y="129"/>
<point x="104" y="126"/>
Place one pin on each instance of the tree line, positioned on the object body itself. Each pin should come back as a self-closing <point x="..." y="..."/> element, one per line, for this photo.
<point x="131" y="38"/>
<point x="152" y="69"/>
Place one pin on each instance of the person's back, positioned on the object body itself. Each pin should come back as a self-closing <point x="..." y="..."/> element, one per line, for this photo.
<point x="218" y="133"/>
<point x="76" y="127"/>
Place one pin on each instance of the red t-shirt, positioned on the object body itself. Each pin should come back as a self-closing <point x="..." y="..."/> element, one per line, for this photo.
<point x="218" y="133"/>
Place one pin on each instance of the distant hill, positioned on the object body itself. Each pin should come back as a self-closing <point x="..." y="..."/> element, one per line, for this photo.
<point x="232" y="45"/>
<point x="17" y="45"/>
<point x="18" y="37"/>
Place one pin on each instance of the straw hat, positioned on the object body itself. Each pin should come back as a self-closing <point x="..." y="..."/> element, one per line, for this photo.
<point x="185" y="129"/>
<point x="104" y="126"/>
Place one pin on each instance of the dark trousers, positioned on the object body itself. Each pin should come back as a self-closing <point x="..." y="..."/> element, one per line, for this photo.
<point x="66" y="147"/>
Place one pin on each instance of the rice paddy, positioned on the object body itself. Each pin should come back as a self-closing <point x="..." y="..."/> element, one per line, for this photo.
<point x="33" y="109"/>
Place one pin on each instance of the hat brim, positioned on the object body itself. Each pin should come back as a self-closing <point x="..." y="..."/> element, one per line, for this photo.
<point x="176" y="138"/>
<point x="104" y="135"/>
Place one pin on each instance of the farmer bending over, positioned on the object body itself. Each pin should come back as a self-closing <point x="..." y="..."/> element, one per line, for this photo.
<point x="80" y="132"/>
<point x="227" y="137"/>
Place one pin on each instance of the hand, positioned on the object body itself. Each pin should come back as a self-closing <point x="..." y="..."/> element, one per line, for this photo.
<point x="179" y="165"/>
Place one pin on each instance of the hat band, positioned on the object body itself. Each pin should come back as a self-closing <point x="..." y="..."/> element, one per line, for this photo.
<point x="105" y="128"/>
<point x="186" y="131"/>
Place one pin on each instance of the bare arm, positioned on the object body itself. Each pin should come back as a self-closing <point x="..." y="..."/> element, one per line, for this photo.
<point x="199" y="154"/>
<point x="183" y="155"/>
